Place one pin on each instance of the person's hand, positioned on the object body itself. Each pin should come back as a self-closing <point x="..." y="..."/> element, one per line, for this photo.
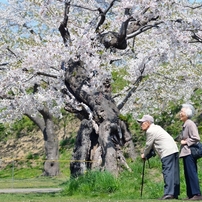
<point x="183" y="142"/>
<point x="142" y="156"/>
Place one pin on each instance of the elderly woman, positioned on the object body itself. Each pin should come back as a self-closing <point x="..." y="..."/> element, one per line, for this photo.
<point x="190" y="136"/>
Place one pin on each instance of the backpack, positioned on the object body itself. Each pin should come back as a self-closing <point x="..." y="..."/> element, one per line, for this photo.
<point x="196" y="150"/>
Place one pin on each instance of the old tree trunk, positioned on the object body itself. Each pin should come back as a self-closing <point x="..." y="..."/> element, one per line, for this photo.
<point x="102" y="135"/>
<point x="45" y="122"/>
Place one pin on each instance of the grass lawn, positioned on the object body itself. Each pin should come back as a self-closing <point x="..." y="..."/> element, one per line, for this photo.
<point x="91" y="188"/>
<point x="57" y="198"/>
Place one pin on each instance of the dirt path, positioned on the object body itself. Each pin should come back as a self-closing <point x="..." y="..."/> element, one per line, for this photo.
<point x="30" y="190"/>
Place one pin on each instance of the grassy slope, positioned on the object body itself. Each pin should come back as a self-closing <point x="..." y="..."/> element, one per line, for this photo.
<point x="126" y="188"/>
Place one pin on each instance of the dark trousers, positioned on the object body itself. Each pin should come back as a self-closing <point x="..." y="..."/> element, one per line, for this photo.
<point x="171" y="174"/>
<point x="191" y="176"/>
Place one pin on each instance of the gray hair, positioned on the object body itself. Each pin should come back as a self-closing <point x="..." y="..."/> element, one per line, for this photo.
<point x="189" y="110"/>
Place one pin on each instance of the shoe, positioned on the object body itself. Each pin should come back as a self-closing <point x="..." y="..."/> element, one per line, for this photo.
<point x="196" y="198"/>
<point x="166" y="197"/>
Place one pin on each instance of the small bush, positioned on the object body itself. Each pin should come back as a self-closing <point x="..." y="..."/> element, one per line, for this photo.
<point x="92" y="183"/>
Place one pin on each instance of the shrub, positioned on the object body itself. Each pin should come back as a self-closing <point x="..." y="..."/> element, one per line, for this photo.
<point x="92" y="183"/>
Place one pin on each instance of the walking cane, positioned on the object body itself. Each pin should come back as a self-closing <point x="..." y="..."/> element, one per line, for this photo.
<point x="151" y="154"/>
<point x="143" y="168"/>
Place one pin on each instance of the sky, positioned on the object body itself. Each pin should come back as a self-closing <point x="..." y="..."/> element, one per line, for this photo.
<point x="3" y="1"/>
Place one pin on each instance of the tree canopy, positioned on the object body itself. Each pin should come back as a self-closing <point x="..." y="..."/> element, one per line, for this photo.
<point x="161" y="42"/>
<point x="97" y="59"/>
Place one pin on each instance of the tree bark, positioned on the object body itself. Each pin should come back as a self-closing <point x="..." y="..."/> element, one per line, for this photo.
<point x="102" y="135"/>
<point x="46" y="125"/>
<point x="81" y="151"/>
<point x="51" y="165"/>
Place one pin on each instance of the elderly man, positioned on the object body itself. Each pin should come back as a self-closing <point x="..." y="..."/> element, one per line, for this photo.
<point x="165" y="146"/>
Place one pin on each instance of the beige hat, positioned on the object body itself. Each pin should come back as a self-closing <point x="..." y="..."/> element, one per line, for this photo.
<point x="146" y="118"/>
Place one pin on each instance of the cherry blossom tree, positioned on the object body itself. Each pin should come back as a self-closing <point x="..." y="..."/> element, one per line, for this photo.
<point x="62" y="54"/>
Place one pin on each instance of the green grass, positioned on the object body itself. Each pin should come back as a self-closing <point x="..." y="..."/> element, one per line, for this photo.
<point x="48" y="198"/>
<point x="93" y="186"/>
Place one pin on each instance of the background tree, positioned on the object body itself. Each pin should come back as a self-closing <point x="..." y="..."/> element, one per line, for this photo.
<point x="157" y="44"/>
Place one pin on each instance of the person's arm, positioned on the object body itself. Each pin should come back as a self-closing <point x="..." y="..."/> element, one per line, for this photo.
<point x="193" y="135"/>
<point x="149" y="144"/>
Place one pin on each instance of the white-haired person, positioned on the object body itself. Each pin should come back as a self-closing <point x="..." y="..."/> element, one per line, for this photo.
<point x="189" y="137"/>
<point x="165" y="146"/>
